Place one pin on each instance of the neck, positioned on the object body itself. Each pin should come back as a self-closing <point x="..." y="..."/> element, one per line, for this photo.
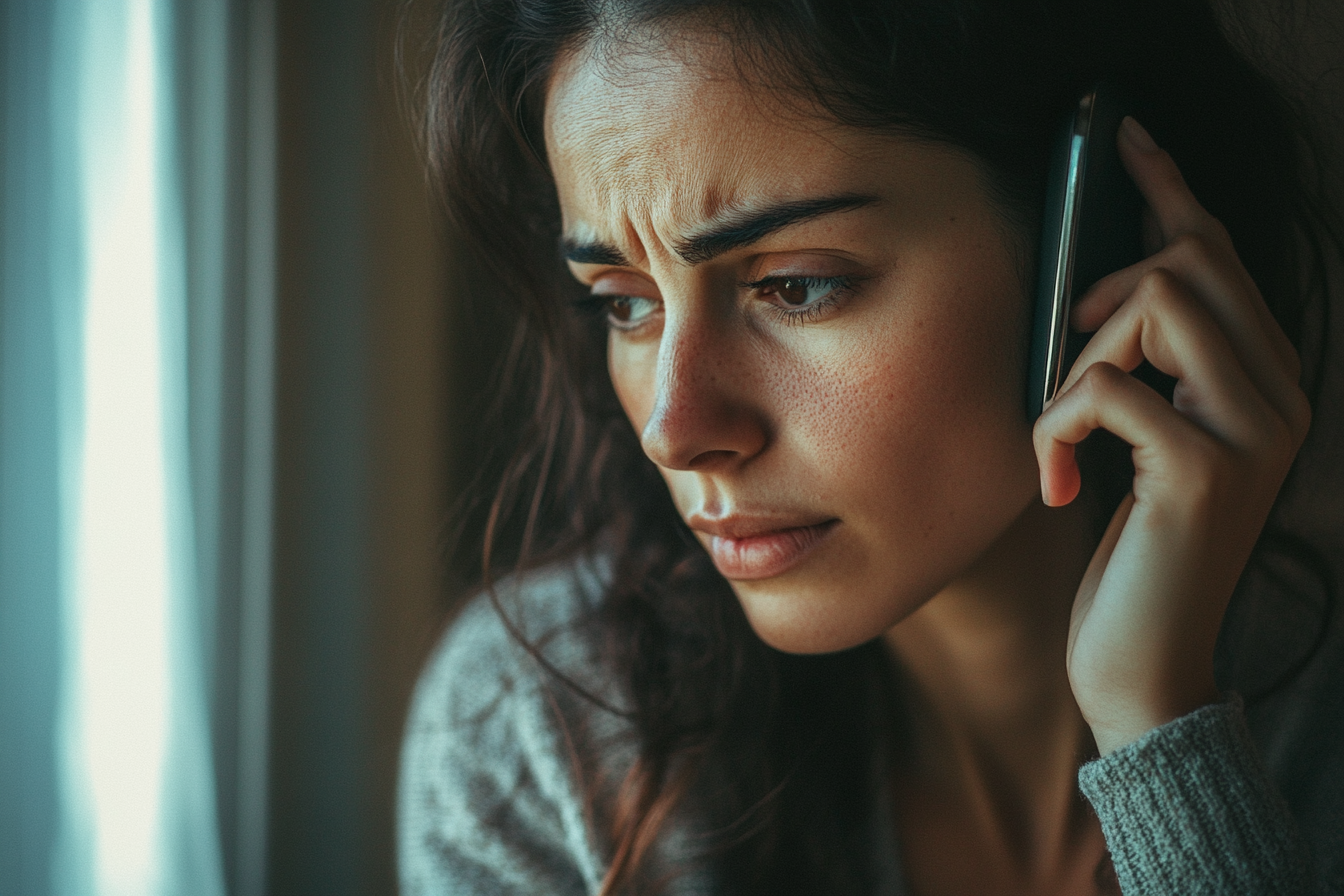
<point x="994" y="719"/>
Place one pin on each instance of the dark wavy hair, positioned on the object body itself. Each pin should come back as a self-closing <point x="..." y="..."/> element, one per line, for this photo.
<point x="786" y="744"/>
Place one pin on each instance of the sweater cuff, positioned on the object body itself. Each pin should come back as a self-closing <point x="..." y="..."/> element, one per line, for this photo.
<point x="1188" y="808"/>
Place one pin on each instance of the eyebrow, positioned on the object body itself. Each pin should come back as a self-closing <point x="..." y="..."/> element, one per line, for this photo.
<point x="734" y="231"/>
<point x="592" y="253"/>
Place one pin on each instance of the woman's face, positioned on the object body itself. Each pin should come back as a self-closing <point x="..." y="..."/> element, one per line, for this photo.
<point x="816" y="331"/>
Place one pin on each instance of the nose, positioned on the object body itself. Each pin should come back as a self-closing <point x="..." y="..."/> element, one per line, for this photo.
<point x="708" y="410"/>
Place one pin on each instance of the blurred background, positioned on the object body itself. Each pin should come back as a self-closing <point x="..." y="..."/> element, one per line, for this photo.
<point x="237" y="397"/>
<point x="226" y="374"/>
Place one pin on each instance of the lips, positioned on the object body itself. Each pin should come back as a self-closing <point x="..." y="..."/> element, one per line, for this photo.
<point x="743" y="551"/>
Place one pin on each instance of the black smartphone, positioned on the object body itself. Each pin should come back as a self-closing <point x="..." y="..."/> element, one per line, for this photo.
<point x="1091" y="227"/>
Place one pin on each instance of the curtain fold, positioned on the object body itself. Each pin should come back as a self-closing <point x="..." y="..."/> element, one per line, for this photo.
<point x="39" y="272"/>
<point x="136" y="264"/>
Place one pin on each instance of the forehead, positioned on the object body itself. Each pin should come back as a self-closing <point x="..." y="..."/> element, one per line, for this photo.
<point x="652" y="91"/>
<point x="666" y="123"/>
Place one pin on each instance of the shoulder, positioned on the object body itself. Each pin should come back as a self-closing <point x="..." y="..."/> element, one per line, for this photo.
<point x="490" y="796"/>
<point x="483" y="656"/>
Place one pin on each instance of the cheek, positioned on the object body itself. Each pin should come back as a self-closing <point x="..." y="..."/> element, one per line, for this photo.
<point x="633" y="368"/>
<point x="953" y="365"/>
<point x="921" y="427"/>
<point x="916" y="437"/>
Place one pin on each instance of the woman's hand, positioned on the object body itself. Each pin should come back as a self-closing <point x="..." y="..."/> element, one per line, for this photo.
<point x="1207" y="466"/>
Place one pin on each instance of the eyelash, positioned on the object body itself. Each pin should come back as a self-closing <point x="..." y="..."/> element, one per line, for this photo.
<point x="840" y="288"/>
<point x="600" y="306"/>
<point x="590" y="305"/>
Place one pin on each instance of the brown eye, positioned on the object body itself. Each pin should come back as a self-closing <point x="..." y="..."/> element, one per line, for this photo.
<point x="628" y="312"/>
<point x="793" y="292"/>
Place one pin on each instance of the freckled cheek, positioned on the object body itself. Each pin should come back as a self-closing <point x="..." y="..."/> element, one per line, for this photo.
<point x="909" y="409"/>
<point x="851" y="417"/>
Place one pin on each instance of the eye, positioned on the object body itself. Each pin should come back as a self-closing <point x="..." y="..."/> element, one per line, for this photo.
<point x="621" y="312"/>
<point x="623" y="300"/>
<point x="802" y="299"/>
<point x="628" y="312"/>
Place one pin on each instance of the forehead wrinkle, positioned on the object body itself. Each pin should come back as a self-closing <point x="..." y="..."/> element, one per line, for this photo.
<point x="672" y="222"/>
<point x="638" y="196"/>
<point x="620" y="148"/>
<point x="614" y="125"/>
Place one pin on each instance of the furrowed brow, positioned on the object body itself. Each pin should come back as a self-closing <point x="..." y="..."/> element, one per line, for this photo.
<point x="744" y="228"/>
<point x="592" y="253"/>
<point x="734" y="231"/>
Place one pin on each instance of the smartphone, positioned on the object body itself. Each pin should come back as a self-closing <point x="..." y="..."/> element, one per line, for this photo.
<point x="1091" y="227"/>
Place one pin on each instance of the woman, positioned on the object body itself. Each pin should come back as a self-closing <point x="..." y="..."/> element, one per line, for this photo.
<point x="884" y="627"/>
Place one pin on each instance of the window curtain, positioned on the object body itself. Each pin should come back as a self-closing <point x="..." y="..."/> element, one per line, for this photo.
<point x="136" y="362"/>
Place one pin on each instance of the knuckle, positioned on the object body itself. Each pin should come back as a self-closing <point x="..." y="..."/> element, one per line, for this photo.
<point x="1161" y="293"/>
<point x="1199" y="250"/>
<point x="1157" y="286"/>
<point x="1282" y="427"/>
<point x="1101" y="379"/>
<point x="1217" y="231"/>
<point x="1042" y="430"/>
<point x="1276" y="438"/>
<point x="1044" y="437"/>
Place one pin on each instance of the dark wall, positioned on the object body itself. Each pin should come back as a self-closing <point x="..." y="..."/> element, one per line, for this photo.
<point x="360" y="455"/>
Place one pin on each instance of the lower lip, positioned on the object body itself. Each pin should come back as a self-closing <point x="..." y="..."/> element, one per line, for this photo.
<point x="768" y="555"/>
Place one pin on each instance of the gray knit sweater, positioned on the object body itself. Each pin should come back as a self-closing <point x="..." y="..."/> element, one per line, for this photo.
<point x="492" y="783"/>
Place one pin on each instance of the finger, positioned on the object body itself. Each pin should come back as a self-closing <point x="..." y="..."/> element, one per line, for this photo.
<point x="1217" y="278"/>
<point x="1101" y="558"/>
<point x="1106" y="397"/>
<point x="1166" y="325"/>
<point x="1197" y="246"/>
<point x="1162" y="185"/>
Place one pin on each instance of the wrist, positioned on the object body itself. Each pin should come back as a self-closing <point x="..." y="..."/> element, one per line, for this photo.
<point x="1123" y="724"/>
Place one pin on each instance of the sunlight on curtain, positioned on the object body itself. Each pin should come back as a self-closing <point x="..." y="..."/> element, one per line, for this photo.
<point x="133" y="711"/>
<point x="118" y="649"/>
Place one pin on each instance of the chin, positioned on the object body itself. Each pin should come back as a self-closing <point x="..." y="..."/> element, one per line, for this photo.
<point x="803" y="621"/>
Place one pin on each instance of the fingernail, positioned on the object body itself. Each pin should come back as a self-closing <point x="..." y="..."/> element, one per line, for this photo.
<point x="1138" y="137"/>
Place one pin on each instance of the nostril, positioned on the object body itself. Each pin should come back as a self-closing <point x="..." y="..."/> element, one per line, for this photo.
<point x="700" y="419"/>
<point x="709" y="458"/>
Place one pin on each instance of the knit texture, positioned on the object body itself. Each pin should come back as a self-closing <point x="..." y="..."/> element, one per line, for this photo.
<point x="500" y="758"/>
<point x="506" y="771"/>
<point x="1188" y="809"/>
<point x="487" y="802"/>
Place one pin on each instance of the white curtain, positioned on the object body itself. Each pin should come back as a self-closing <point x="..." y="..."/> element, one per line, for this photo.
<point x="135" y="420"/>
